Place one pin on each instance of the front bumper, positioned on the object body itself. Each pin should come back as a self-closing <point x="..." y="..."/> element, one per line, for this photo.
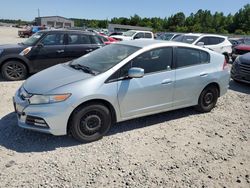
<point x="55" y="116"/>
<point x="239" y="75"/>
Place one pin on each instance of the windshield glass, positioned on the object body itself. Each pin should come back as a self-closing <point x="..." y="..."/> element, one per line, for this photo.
<point x="129" y="33"/>
<point x="33" y="39"/>
<point x="186" y="39"/>
<point x="165" y="36"/>
<point x="105" y="58"/>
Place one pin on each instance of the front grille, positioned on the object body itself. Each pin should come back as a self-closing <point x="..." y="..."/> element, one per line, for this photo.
<point x="245" y="68"/>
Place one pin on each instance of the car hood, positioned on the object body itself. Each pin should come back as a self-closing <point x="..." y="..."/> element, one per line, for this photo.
<point x="245" y="58"/>
<point x="52" y="78"/>
<point x="11" y="46"/>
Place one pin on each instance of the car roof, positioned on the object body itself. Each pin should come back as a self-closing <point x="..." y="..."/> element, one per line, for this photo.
<point x="143" y="43"/>
<point x="203" y="34"/>
<point x="140" y="31"/>
<point x="66" y="31"/>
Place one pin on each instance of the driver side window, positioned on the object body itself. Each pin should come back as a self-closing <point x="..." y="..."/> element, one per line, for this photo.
<point x="156" y="60"/>
<point x="53" y="39"/>
<point x="139" y="36"/>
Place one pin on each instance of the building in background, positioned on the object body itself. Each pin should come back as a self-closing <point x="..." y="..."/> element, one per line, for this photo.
<point x="122" y="28"/>
<point x="54" y="21"/>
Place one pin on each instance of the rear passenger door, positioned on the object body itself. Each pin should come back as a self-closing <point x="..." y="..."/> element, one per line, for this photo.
<point x="80" y="44"/>
<point x="192" y="75"/>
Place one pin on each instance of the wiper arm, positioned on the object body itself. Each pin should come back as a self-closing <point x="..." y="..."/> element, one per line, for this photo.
<point x="83" y="68"/>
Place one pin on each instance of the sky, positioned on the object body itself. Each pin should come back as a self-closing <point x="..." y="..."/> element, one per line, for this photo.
<point x="107" y="9"/>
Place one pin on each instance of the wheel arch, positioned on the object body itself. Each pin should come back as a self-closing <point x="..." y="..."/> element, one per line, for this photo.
<point x="96" y="101"/>
<point x="16" y="58"/>
<point x="213" y="84"/>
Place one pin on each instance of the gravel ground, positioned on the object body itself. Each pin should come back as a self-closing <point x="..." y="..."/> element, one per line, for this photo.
<point x="181" y="148"/>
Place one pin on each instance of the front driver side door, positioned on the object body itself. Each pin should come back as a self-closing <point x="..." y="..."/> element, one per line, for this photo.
<point x="50" y="51"/>
<point x="153" y="92"/>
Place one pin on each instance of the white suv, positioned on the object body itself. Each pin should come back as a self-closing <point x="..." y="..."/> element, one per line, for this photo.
<point x="217" y="43"/>
<point x="133" y="34"/>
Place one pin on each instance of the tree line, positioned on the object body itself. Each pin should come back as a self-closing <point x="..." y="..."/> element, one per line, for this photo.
<point x="203" y="21"/>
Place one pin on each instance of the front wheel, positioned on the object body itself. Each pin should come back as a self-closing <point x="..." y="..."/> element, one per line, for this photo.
<point x="90" y="123"/>
<point x="14" y="70"/>
<point x="208" y="99"/>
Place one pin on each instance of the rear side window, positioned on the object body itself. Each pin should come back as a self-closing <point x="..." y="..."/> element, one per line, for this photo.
<point x="211" y="40"/>
<point x="189" y="57"/>
<point x="148" y="35"/>
<point x="95" y="39"/>
<point x="78" y="39"/>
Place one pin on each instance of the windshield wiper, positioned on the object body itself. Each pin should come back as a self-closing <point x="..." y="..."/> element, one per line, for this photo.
<point x="83" y="68"/>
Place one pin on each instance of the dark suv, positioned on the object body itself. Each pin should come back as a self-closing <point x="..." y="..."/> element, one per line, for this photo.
<point x="45" y="49"/>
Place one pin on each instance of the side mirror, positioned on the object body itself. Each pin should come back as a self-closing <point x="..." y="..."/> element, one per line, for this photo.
<point x="201" y="44"/>
<point x="135" y="72"/>
<point x="40" y="45"/>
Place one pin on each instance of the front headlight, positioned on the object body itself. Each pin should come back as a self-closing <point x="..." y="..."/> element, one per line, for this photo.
<point x="48" y="99"/>
<point x="25" y="51"/>
<point x="1" y="51"/>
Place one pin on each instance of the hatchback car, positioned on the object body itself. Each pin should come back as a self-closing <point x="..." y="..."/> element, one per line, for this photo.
<point x="217" y="43"/>
<point x="45" y="49"/>
<point x="119" y="82"/>
<point x="133" y="34"/>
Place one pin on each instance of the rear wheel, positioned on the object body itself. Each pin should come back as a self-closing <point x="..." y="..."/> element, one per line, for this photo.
<point x="14" y="70"/>
<point x="90" y="123"/>
<point x="208" y="99"/>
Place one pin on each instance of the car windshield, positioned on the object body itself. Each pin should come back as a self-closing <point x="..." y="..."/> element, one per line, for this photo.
<point x="186" y="39"/>
<point x="165" y="36"/>
<point x="33" y="39"/>
<point x="129" y="33"/>
<point x="105" y="58"/>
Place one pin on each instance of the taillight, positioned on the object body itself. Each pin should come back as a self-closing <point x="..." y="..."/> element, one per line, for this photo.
<point x="225" y="65"/>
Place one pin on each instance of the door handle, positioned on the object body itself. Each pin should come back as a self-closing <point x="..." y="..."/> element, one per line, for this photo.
<point x="167" y="81"/>
<point x="203" y="74"/>
<point x="60" y="51"/>
<point x="89" y="50"/>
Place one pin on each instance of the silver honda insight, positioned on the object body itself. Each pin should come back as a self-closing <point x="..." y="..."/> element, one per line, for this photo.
<point x="118" y="82"/>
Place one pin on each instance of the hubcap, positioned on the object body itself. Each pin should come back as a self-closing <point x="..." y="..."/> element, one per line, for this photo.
<point x="90" y="124"/>
<point x="14" y="70"/>
<point x="208" y="98"/>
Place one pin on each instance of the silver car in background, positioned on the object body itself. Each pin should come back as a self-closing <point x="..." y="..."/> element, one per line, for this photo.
<point x="119" y="82"/>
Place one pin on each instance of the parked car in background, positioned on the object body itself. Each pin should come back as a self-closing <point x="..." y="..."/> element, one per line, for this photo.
<point x="242" y="48"/>
<point x="119" y="82"/>
<point x="216" y="43"/>
<point x="26" y="33"/>
<point x="106" y="39"/>
<point x="44" y="49"/>
<point x="115" y="33"/>
<point x="133" y="34"/>
<point x="240" y="70"/>
<point x="168" y="36"/>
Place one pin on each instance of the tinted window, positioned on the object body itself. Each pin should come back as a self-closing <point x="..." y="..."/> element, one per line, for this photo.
<point x="95" y="39"/>
<point x="53" y="39"/>
<point x="148" y="35"/>
<point x="189" y="56"/>
<point x="139" y="35"/>
<point x="215" y="40"/>
<point x="78" y="39"/>
<point x="204" y="40"/>
<point x="154" y="60"/>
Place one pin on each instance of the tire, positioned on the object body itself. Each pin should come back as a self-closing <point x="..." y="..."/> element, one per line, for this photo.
<point x="14" y="70"/>
<point x="208" y="99"/>
<point x="90" y="123"/>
